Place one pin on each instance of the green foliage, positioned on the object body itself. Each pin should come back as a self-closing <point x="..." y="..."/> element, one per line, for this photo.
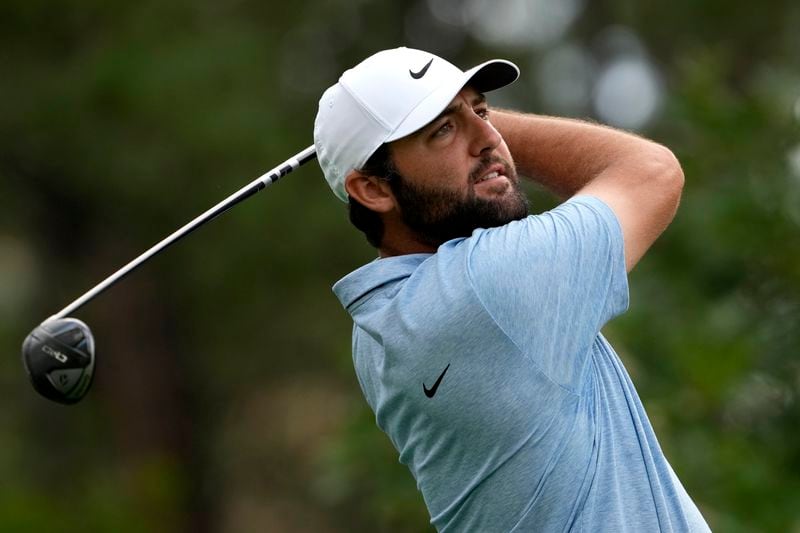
<point x="362" y="466"/>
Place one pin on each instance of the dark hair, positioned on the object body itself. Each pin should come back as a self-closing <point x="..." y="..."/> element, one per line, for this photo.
<point x="379" y="164"/>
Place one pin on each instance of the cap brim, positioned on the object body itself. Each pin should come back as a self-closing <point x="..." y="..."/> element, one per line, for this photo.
<point x="485" y="77"/>
<point x="492" y="75"/>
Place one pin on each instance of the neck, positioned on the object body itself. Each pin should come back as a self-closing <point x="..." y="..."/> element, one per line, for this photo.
<point x="398" y="239"/>
<point x="391" y="248"/>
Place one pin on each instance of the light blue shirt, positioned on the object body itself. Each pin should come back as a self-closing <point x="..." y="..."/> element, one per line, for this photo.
<point x="485" y="367"/>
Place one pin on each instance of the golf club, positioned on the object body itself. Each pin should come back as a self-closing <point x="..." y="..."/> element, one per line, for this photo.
<point x="58" y="355"/>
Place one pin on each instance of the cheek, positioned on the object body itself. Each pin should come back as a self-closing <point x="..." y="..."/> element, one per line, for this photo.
<point x="452" y="175"/>
<point x="444" y="167"/>
<point x="503" y="151"/>
<point x="453" y="168"/>
<point x="438" y="173"/>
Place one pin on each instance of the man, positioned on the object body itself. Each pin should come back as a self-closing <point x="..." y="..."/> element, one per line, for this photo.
<point x="476" y="338"/>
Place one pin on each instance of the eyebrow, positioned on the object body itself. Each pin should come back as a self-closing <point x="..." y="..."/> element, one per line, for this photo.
<point x="449" y="110"/>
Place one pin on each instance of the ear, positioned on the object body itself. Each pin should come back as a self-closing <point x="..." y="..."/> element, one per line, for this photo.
<point x="370" y="191"/>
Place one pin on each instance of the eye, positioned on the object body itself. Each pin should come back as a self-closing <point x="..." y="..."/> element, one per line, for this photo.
<point x="443" y="129"/>
<point x="483" y="112"/>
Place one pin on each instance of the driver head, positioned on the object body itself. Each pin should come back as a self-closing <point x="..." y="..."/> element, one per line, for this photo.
<point x="59" y="358"/>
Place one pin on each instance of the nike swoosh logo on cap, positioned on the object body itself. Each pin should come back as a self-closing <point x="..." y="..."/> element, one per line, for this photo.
<point x="430" y="392"/>
<point x="419" y="74"/>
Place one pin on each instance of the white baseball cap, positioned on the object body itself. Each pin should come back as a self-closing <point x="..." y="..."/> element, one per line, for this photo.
<point x="387" y="96"/>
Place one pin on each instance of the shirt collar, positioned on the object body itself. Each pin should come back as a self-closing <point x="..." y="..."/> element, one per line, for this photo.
<point x="379" y="272"/>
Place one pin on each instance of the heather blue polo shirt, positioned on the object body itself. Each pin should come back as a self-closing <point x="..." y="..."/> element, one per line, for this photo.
<point x="485" y="366"/>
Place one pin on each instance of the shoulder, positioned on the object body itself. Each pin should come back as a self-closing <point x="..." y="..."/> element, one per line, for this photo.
<point x="578" y="211"/>
<point x="580" y="223"/>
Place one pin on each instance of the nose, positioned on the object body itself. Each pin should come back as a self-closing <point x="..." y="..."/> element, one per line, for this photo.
<point x="485" y="138"/>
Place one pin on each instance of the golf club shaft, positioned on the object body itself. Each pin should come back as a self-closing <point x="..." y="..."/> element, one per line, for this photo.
<point x="293" y="163"/>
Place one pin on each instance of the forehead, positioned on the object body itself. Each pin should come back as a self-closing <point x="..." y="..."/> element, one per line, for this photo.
<point x="468" y="94"/>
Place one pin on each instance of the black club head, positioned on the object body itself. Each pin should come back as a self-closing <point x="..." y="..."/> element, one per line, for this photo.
<point x="59" y="358"/>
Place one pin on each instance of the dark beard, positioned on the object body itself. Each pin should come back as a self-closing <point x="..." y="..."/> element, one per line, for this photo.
<point x="438" y="215"/>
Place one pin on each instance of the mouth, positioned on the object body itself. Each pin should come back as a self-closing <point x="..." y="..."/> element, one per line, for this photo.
<point x="493" y="173"/>
<point x="489" y="176"/>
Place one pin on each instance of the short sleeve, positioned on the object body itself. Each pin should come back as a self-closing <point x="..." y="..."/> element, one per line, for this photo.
<point x="552" y="281"/>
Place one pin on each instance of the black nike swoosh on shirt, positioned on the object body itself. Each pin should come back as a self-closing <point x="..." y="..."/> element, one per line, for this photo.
<point x="430" y="392"/>
<point x="420" y="73"/>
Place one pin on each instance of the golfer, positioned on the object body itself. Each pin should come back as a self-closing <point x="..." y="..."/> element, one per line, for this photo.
<point x="477" y="330"/>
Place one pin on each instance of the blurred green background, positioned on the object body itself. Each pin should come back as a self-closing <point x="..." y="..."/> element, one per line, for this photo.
<point x="224" y="399"/>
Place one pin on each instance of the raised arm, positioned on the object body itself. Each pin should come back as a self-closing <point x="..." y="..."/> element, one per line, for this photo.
<point x="640" y="180"/>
